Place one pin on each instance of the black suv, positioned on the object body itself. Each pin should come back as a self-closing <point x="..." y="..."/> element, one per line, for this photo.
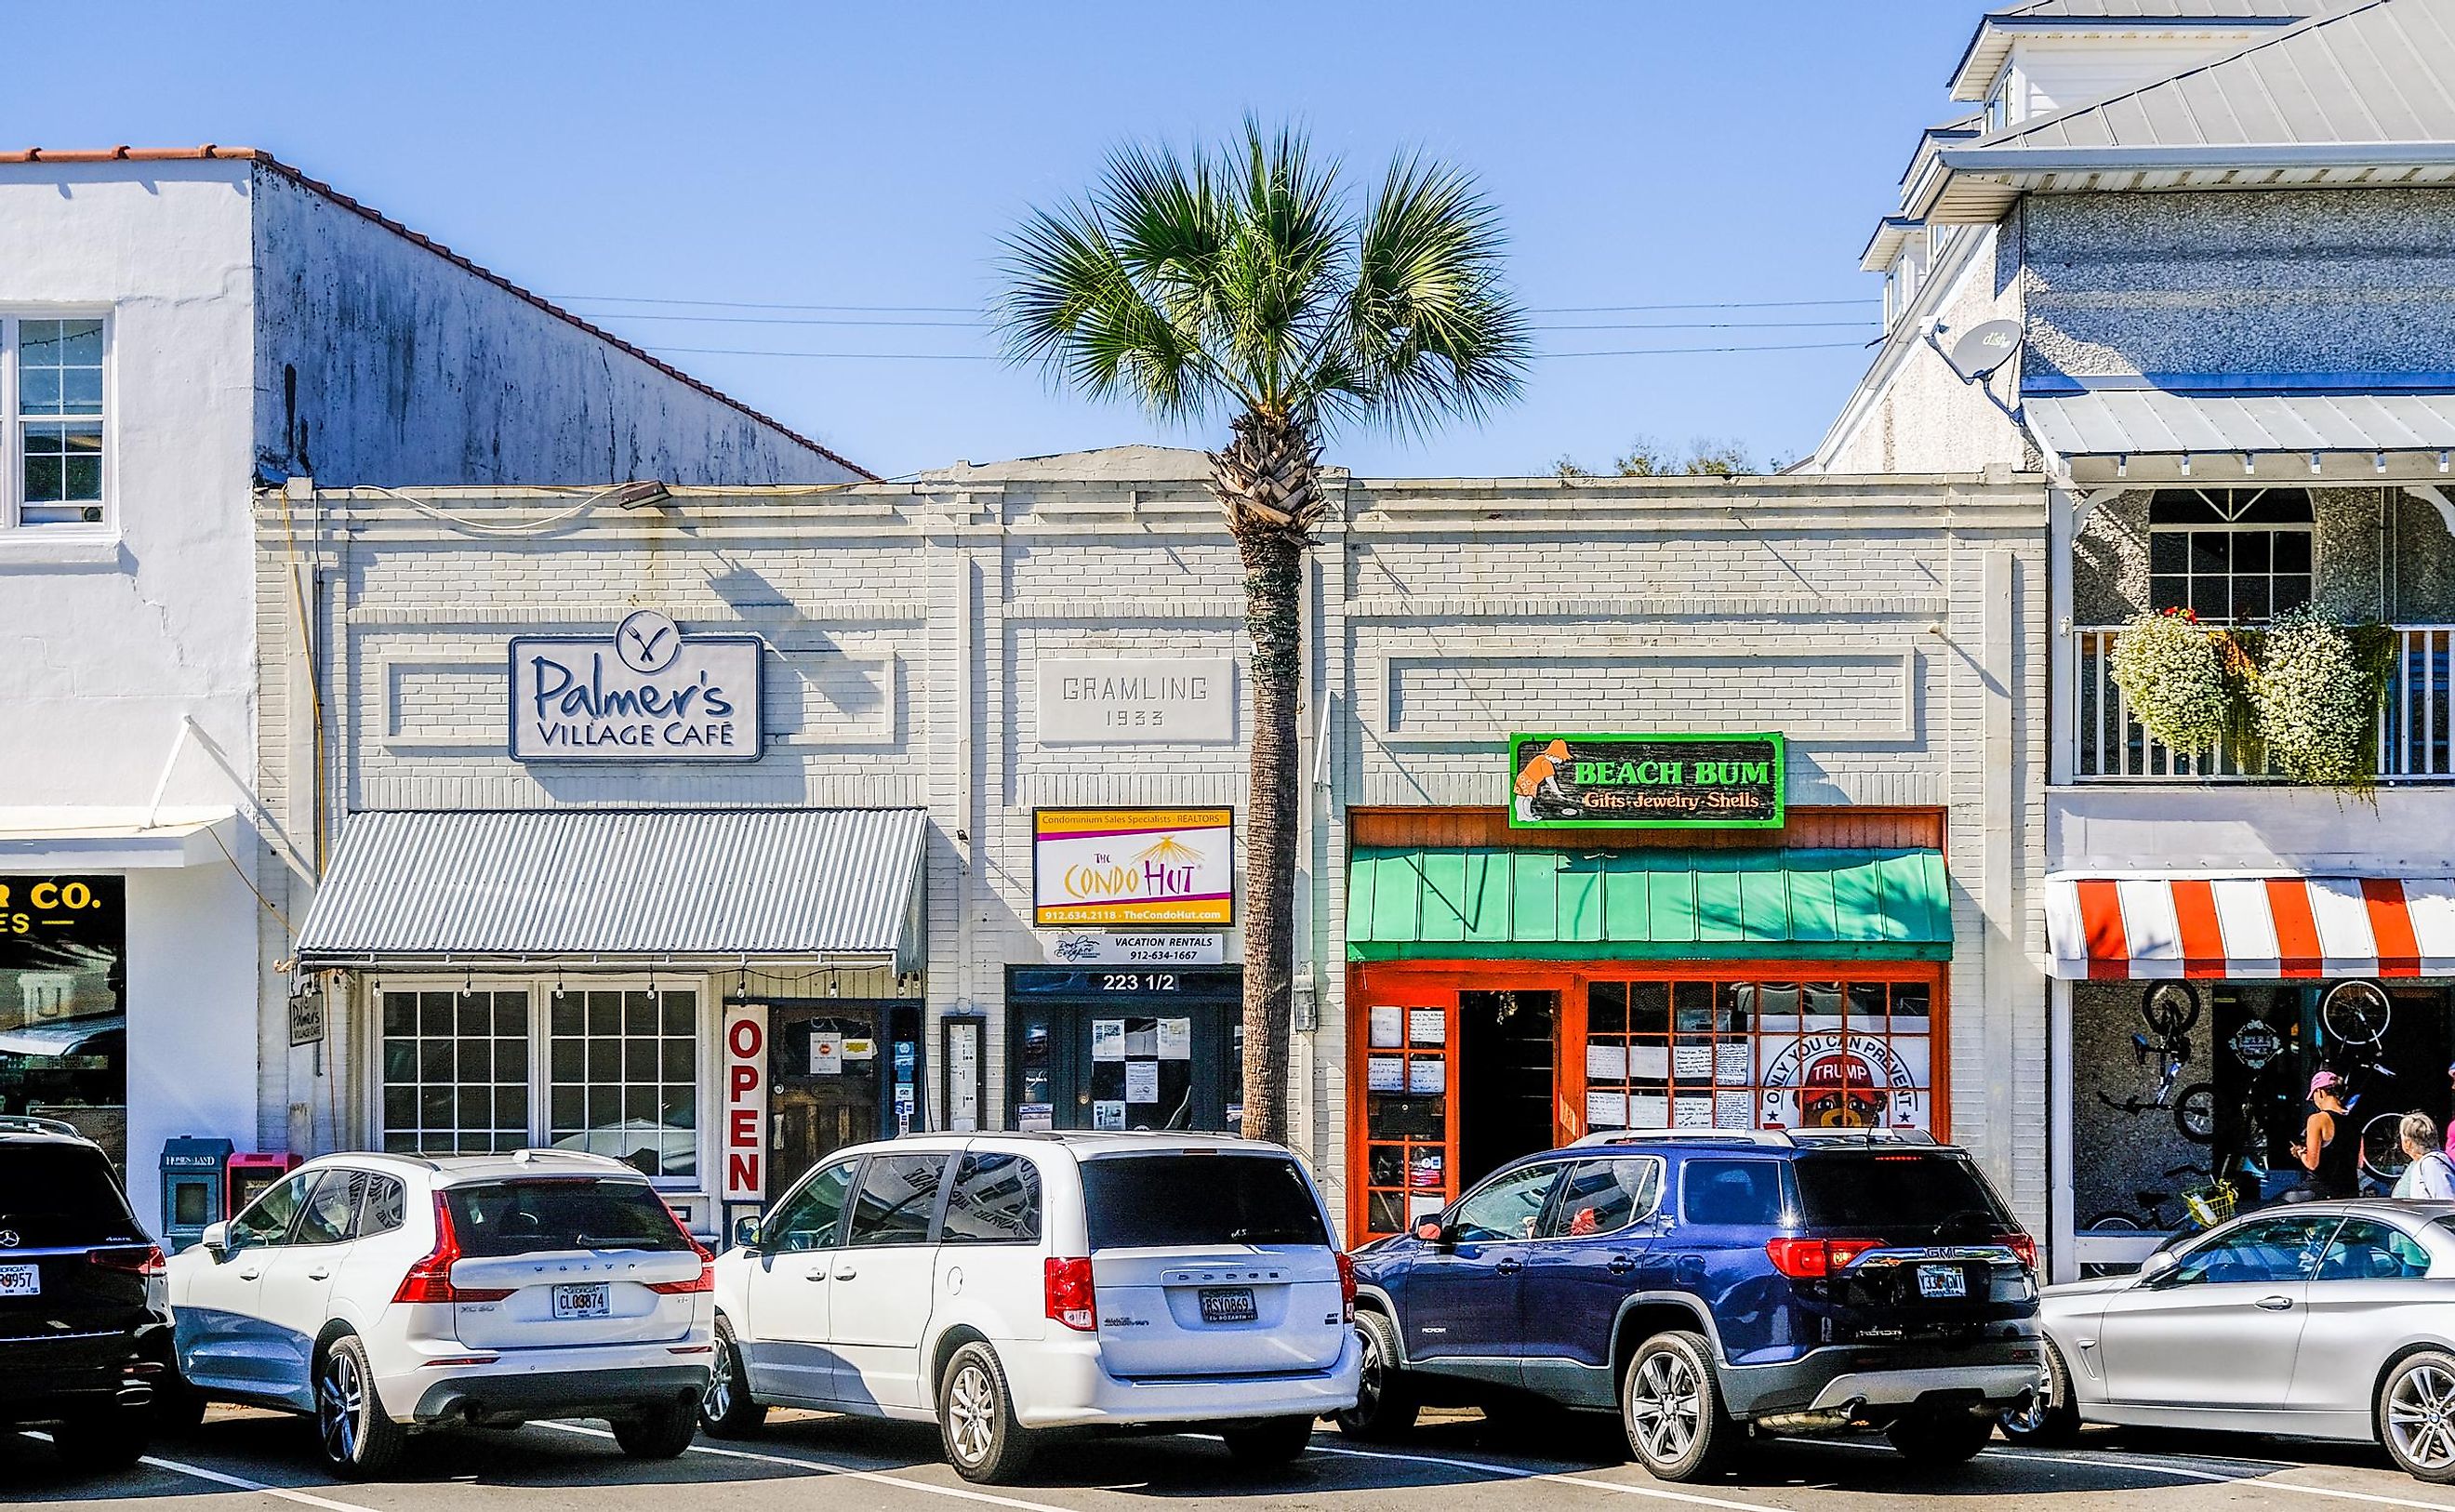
<point x="1708" y="1285"/>
<point x="84" y="1341"/>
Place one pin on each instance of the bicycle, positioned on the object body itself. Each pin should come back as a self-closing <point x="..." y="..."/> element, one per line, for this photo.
<point x="2169" y="1012"/>
<point x="2204" y="1205"/>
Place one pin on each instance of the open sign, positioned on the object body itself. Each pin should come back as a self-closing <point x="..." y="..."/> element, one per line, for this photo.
<point x="745" y="1146"/>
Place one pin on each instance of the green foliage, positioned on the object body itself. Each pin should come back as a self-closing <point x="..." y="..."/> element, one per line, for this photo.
<point x="2174" y="681"/>
<point x="2316" y="700"/>
<point x="1646" y="457"/>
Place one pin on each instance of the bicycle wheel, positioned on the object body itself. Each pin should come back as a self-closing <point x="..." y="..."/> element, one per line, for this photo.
<point x="2115" y="1221"/>
<point x="2195" y="1113"/>
<point x="2169" y="1009"/>
<point x="2356" y="1013"/>
<point x="2382" y="1146"/>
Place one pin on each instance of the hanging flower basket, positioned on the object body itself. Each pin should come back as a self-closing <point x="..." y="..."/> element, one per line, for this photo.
<point x="2316" y="700"/>
<point x="2173" y="681"/>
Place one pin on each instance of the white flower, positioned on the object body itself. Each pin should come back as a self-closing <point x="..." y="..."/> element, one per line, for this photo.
<point x="2316" y="703"/>
<point x="2173" y="681"/>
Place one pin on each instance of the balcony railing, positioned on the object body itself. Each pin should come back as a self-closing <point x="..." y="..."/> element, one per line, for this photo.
<point x="2414" y="737"/>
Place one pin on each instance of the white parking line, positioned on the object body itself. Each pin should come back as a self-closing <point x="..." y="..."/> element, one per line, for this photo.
<point x="1620" y="1487"/>
<point x="2161" y="1468"/>
<point x="953" y="1492"/>
<point x="242" y="1484"/>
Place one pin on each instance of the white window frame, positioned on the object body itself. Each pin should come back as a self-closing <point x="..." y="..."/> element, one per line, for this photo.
<point x="12" y="428"/>
<point x="540" y="988"/>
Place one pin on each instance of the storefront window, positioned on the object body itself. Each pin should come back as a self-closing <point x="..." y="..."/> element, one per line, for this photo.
<point x="456" y="1071"/>
<point x="1748" y="1055"/>
<point x="625" y="1077"/>
<point x="63" y="1003"/>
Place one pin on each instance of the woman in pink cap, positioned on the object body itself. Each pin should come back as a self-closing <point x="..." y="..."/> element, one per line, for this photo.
<point x="2329" y="1152"/>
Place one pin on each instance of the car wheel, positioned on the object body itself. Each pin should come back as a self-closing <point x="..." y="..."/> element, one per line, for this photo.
<point x="2416" y="1416"/>
<point x="2051" y="1421"/>
<point x="726" y="1409"/>
<point x="357" y="1436"/>
<point x="1272" y="1441"/>
<point x="976" y="1419"/>
<point x="660" y="1433"/>
<point x="112" y="1439"/>
<point x="1671" y="1407"/>
<point x="1384" y="1400"/>
<point x="1941" y="1437"/>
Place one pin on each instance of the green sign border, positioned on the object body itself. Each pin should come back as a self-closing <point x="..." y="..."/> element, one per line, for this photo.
<point x="1780" y="782"/>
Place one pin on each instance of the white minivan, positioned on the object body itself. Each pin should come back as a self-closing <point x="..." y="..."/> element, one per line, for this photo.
<point x="1004" y="1284"/>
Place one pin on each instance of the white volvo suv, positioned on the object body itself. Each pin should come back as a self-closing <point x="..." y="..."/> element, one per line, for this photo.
<point x="387" y="1294"/>
<point x="1004" y="1284"/>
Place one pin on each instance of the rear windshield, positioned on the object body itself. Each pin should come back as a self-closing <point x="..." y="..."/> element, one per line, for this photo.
<point x="61" y="1194"/>
<point x="1135" y="1202"/>
<point x="522" y="1218"/>
<point x="1895" y="1190"/>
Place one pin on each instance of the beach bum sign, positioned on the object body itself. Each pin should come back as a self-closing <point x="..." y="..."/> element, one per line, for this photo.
<point x="1645" y="781"/>
<point x="1101" y="868"/>
<point x="646" y="693"/>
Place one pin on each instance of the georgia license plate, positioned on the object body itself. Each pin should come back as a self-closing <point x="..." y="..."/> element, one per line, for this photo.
<point x="1227" y="1305"/>
<point x="588" y="1299"/>
<point x="1942" y="1281"/>
<point x="21" y="1281"/>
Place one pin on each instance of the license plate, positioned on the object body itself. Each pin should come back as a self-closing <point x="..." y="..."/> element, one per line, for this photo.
<point x="21" y="1281"/>
<point x="586" y="1300"/>
<point x="1942" y="1281"/>
<point x="1227" y="1305"/>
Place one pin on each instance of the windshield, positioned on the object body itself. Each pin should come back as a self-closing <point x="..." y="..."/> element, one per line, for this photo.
<point x="523" y="1218"/>
<point x="62" y="1193"/>
<point x="1889" y="1189"/>
<point x="1136" y="1201"/>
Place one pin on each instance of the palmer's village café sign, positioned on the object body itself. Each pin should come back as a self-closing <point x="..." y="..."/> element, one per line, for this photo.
<point x="1645" y="781"/>
<point x="645" y="692"/>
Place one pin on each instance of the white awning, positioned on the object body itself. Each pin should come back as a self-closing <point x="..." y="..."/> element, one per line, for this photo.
<point x="86" y="840"/>
<point x="622" y="883"/>
<point x="2146" y="422"/>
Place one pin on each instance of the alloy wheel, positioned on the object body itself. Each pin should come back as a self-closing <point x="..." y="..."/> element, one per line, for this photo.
<point x="2420" y="1417"/>
<point x="340" y="1396"/>
<point x="1665" y="1409"/>
<point x="2032" y="1418"/>
<point x="715" y="1403"/>
<point x="971" y="1408"/>
<point x="1368" y="1381"/>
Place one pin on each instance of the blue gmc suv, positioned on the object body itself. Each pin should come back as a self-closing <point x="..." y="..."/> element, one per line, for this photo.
<point x="1709" y="1286"/>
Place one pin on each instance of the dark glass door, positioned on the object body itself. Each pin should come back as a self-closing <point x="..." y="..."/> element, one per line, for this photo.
<point x="1122" y="1049"/>
<point x="834" y="1067"/>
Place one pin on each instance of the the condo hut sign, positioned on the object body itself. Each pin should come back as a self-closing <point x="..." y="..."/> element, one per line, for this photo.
<point x="645" y="692"/>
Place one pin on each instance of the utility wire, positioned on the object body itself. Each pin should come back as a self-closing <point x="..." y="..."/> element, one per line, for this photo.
<point x="976" y="312"/>
<point x="982" y="356"/>
<point x="973" y="325"/>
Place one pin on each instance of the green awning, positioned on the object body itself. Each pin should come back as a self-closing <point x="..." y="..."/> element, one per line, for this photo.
<point x="1410" y="903"/>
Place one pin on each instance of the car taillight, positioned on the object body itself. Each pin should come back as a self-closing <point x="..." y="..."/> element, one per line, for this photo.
<point x="2020" y="1245"/>
<point x="1347" y="1284"/>
<point x="137" y="1259"/>
<point x="1815" y="1258"/>
<point x="430" y="1279"/>
<point x="704" y="1281"/>
<point x="1070" y="1299"/>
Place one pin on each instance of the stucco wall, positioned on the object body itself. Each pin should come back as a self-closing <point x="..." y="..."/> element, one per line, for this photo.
<point x="2404" y="575"/>
<point x="1925" y="418"/>
<point x="380" y="362"/>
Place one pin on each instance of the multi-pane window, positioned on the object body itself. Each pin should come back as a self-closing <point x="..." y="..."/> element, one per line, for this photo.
<point x="51" y="373"/>
<point x="624" y="1073"/>
<point x="456" y="1071"/>
<point x="2240" y="554"/>
<point x="1751" y="1054"/>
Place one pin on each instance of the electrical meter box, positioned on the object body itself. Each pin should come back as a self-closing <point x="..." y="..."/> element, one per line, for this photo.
<point x="195" y="1190"/>
<point x="252" y="1175"/>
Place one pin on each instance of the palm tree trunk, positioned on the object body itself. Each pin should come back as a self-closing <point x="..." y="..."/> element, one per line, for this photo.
<point x="1265" y="482"/>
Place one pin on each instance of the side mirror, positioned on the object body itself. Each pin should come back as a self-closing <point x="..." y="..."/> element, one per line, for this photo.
<point x="216" y="1240"/>
<point x="1432" y="1232"/>
<point x="2156" y="1267"/>
<point x="745" y="1233"/>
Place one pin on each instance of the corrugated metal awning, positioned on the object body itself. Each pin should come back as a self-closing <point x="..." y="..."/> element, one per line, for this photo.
<point x="2139" y="422"/>
<point x="665" y="883"/>
<point x="1405" y="904"/>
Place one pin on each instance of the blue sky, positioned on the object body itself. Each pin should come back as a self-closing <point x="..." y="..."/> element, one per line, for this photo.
<point x="1643" y="154"/>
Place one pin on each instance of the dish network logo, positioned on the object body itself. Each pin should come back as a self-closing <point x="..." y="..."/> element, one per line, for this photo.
<point x="745" y="1102"/>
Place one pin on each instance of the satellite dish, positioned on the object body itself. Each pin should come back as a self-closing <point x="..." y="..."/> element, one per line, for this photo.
<point x="1977" y="352"/>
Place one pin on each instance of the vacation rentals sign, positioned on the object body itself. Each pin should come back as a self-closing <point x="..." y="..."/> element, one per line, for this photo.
<point x="646" y="693"/>
<point x="1645" y="781"/>
<point x="1101" y="867"/>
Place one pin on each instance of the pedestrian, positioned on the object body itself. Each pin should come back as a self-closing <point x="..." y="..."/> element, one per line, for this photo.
<point x="2329" y="1152"/>
<point x="2450" y="1120"/>
<point x="2430" y="1177"/>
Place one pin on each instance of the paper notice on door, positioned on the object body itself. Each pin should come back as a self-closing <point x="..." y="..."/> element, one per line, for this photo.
<point x="1107" y="1039"/>
<point x="826" y="1053"/>
<point x="1105" y="1114"/>
<point x="1426" y="1026"/>
<point x="1141" y="1081"/>
<point x="1734" y="1066"/>
<point x="1648" y="1110"/>
<point x="1420" y="1208"/>
<point x="1142" y="1039"/>
<point x="1385" y="1072"/>
<point x="860" y="1049"/>
<point x="1648" y="1062"/>
<point x="1606" y="1062"/>
<point x="1176" y="1039"/>
<point x="1691" y="1062"/>
<point x="1389" y="1026"/>
<point x="1734" y="1110"/>
<point x="1427" y="1075"/>
<point x="1607" y="1110"/>
<point x="1035" y="1118"/>
<point x="1693" y="1112"/>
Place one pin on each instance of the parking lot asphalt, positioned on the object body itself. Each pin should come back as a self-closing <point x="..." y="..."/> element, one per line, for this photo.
<point x="254" y="1461"/>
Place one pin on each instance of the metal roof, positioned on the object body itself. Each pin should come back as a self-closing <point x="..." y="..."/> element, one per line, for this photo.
<point x="2124" y="422"/>
<point x="621" y="882"/>
<point x="1992" y="41"/>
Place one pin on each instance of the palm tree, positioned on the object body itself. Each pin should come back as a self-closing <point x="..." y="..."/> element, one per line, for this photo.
<point x="1245" y="282"/>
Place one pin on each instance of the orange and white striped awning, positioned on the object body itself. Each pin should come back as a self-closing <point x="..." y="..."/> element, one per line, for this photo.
<point x="2106" y="928"/>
